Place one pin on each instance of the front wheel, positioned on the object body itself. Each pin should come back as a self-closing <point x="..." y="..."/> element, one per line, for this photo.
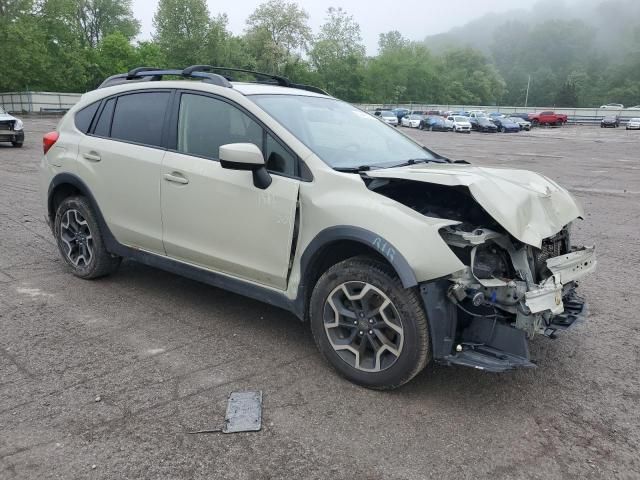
<point x="80" y="240"/>
<point x="17" y="144"/>
<point x="370" y="328"/>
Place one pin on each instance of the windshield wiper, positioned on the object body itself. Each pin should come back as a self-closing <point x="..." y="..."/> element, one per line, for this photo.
<point x="414" y="161"/>
<point x="361" y="168"/>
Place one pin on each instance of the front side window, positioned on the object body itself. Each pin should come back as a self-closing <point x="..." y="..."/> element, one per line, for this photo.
<point x="205" y="123"/>
<point x="139" y="117"/>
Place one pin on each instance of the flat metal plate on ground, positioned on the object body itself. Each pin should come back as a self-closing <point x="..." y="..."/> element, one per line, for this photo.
<point x="244" y="412"/>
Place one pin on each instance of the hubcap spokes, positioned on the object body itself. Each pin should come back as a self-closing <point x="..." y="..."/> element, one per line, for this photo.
<point x="76" y="238"/>
<point x="363" y="326"/>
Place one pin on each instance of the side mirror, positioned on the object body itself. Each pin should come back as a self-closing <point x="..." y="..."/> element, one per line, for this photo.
<point x="248" y="157"/>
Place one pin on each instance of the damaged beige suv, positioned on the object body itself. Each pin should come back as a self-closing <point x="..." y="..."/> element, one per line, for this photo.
<point x="395" y="255"/>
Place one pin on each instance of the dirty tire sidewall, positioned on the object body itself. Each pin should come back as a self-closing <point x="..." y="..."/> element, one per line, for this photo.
<point x="102" y="263"/>
<point x="416" y="350"/>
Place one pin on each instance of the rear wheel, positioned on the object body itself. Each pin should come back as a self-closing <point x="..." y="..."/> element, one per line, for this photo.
<point x="80" y="241"/>
<point x="370" y="328"/>
<point x="17" y="144"/>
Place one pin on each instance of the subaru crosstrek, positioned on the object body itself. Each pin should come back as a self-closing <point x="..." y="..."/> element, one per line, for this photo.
<point x="394" y="254"/>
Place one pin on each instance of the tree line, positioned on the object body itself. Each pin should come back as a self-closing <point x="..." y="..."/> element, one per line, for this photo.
<point x="72" y="45"/>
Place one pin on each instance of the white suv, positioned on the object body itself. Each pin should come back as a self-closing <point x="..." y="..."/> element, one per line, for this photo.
<point x="395" y="255"/>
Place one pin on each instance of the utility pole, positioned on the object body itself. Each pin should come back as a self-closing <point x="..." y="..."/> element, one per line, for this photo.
<point x="526" y="98"/>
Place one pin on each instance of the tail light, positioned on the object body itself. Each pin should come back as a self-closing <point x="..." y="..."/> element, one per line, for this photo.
<point x="49" y="140"/>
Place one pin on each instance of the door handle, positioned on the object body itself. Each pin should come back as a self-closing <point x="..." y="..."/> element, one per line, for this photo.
<point x="175" y="177"/>
<point x="92" y="156"/>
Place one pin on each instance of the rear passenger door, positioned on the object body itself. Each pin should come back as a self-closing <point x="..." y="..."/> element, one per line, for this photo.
<point x="120" y="160"/>
<point x="216" y="218"/>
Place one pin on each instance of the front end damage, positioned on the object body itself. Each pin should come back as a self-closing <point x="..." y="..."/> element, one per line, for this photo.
<point x="507" y="293"/>
<point x="520" y="269"/>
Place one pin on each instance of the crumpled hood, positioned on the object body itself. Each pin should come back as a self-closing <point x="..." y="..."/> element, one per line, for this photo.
<point x="528" y="205"/>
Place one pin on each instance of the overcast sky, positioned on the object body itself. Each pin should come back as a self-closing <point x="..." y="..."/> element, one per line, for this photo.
<point x="414" y="18"/>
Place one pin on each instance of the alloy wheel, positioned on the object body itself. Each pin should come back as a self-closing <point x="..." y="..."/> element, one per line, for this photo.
<point x="363" y="326"/>
<point x="77" y="238"/>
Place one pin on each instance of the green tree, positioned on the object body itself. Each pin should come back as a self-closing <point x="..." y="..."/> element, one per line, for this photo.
<point x="181" y="32"/>
<point x="99" y="18"/>
<point x="338" y="56"/>
<point x="276" y="31"/>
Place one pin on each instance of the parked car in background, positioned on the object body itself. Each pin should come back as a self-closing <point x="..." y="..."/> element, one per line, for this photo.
<point x="610" y="121"/>
<point x="412" y="121"/>
<point x="11" y="129"/>
<point x="633" y="124"/>
<point x="389" y="117"/>
<point x="505" y="125"/>
<point x="547" y="118"/>
<point x="635" y="107"/>
<point x="524" y="116"/>
<point x="522" y="123"/>
<point x="612" y="106"/>
<point x="435" y="123"/>
<point x="483" y="124"/>
<point x="400" y="113"/>
<point x="461" y="123"/>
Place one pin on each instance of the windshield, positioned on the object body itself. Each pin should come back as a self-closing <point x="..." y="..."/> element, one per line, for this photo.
<point x="387" y="113"/>
<point x="340" y="134"/>
<point x="461" y="119"/>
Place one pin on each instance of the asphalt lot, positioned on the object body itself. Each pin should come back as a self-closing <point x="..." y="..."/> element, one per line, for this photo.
<point x="163" y="353"/>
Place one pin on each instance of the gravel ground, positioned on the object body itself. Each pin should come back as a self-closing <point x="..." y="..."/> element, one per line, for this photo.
<point x="162" y="354"/>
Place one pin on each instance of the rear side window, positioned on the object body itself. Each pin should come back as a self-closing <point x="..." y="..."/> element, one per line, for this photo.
<point x="103" y="125"/>
<point x="83" y="117"/>
<point x="139" y="117"/>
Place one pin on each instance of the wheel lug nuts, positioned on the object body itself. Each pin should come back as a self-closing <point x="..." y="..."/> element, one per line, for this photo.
<point x="370" y="332"/>
<point x="371" y="320"/>
<point x="361" y="332"/>
<point x="355" y="322"/>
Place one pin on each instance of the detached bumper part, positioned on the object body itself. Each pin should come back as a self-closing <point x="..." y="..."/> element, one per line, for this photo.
<point x="492" y="339"/>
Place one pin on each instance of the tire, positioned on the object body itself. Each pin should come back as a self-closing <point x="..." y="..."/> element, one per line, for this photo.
<point x="431" y="128"/>
<point x="503" y="130"/>
<point x="17" y="144"/>
<point x="407" y="334"/>
<point x="421" y="126"/>
<point x="78" y="236"/>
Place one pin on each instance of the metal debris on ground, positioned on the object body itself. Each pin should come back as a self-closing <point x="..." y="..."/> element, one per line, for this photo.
<point x="244" y="413"/>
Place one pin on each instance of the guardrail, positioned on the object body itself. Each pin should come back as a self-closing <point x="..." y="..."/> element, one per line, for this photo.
<point x="38" y="102"/>
<point x="577" y="116"/>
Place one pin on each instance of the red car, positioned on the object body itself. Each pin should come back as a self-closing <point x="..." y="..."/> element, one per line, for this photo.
<point x="547" y="118"/>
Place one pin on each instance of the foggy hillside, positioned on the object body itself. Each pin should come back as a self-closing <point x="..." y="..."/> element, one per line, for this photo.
<point x="613" y="24"/>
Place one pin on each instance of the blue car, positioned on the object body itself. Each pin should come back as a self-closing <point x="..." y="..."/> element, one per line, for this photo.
<point x="435" y="124"/>
<point x="506" y="125"/>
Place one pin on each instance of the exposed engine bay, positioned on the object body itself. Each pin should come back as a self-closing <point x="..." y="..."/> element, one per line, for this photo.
<point x="506" y="284"/>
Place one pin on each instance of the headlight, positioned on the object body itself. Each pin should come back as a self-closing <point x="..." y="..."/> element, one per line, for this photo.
<point x="18" y="125"/>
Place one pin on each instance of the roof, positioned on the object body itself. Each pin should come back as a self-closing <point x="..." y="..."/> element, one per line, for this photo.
<point x="266" y="89"/>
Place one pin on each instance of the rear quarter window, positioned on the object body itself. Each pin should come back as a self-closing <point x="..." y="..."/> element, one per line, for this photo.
<point x="84" y="117"/>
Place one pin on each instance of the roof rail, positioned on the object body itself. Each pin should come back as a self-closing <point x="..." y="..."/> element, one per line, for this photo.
<point x="261" y="77"/>
<point x="145" y="74"/>
<point x="206" y="73"/>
